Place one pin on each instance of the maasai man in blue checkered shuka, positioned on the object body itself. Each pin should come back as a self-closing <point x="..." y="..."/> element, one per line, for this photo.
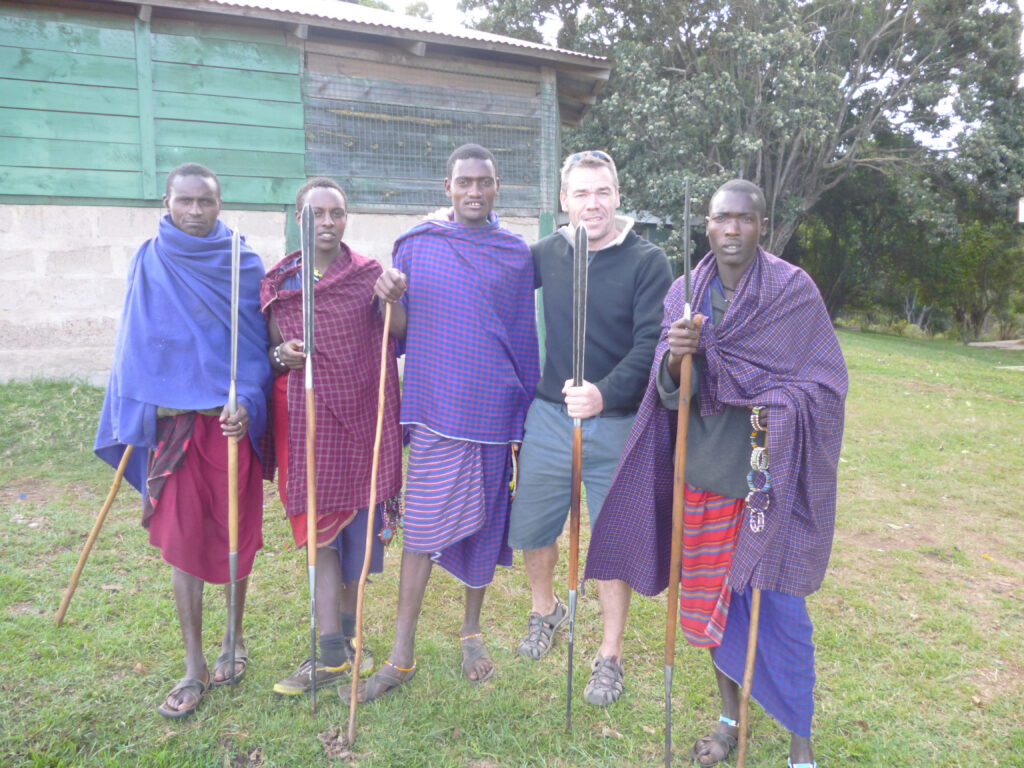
<point x="463" y="293"/>
<point x="762" y="452"/>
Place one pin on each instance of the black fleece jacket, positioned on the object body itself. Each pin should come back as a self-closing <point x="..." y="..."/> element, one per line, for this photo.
<point x="626" y="287"/>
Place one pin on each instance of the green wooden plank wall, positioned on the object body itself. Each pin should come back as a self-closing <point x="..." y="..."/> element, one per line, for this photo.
<point x="86" y="112"/>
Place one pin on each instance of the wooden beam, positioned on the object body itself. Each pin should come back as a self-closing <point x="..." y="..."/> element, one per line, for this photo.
<point x="147" y="139"/>
<point x="415" y="47"/>
<point x="145" y="12"/>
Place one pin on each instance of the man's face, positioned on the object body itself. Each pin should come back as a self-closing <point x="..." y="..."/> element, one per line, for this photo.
<point x="330" y="215"/>
<point x="591" y="199"/>
<point x="734" y="227"/>
<point x="194" y="204"/>
<point x="472" y="187"/>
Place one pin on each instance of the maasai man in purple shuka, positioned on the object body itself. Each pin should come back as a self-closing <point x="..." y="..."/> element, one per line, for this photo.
<point x="346" y="371"/>
<point x="466" y="313"/>
<point x="166" y="397"/>
<point x="766" y="344"/>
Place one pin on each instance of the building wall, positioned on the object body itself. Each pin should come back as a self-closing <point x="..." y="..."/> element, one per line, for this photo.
<point x="98" y="104"/>
<point x="383" y="122"/>
<point x="63" y="271"/>
<point x="101" y="105"/>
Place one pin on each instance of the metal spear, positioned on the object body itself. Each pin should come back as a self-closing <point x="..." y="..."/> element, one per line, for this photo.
<point x="374" y="464"/>
<point x="579" y="337"/>
<point x="233" y="454"/>
<point x="678" y="483"/>
<point x="73" y="584"/>
<point x="308" y="271"/>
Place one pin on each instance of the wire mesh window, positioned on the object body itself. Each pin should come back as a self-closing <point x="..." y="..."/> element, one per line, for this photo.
<point x="388" y="143"/>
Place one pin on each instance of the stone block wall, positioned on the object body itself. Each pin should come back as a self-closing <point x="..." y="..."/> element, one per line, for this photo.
<point x="63" y="271"/>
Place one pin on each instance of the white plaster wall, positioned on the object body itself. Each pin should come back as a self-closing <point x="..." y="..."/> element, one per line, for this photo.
<point x="63" y="268"/>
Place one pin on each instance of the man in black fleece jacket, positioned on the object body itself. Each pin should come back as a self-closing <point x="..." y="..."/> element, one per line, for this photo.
<point x="627" y="281"/>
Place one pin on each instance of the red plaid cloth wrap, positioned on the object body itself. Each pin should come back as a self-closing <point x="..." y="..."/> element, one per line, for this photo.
<point x="775" y="347"/>
<point x="346" y="370"/>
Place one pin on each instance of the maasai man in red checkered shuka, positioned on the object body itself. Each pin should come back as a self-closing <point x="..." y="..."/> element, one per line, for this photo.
<point x="349" y="327"/>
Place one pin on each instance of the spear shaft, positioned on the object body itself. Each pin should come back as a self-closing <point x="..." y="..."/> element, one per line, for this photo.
<point x="678" y="491"/>
<point x="233" y="455"/>
<point x="308" y="275"/>
<point x="579" y="331"/>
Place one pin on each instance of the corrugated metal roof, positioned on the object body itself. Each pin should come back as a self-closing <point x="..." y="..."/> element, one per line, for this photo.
<point x="339" y="11"/>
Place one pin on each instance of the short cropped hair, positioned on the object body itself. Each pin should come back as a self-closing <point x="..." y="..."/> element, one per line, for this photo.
<point x="318" y="181"/>
<point x="591" y="158"/>
<point x="745" y="187"/>
<point x="470" y="152"/>
<point x="190" y="169"/>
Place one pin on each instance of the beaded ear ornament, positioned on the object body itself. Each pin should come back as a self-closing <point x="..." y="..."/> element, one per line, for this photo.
<point x="759" y="479"/>
<point x="391" y="511"/>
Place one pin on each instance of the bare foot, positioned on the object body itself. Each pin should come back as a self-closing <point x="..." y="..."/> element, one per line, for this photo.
<point x="477" y="665"/>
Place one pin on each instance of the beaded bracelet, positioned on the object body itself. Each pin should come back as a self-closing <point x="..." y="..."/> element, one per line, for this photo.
<point x="759" y="458"/>
<point x="767" y="481"/>
<point x="277" y="357"/>
<point x="755" y="418"/>
<point x="758" y="500"/>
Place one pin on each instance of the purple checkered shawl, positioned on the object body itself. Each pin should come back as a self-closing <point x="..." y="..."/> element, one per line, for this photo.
<point x="775" y="347"/>
<point x="471" y="360"/>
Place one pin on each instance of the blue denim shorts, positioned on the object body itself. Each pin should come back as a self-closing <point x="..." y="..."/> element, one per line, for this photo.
<point x="541" y="505"/>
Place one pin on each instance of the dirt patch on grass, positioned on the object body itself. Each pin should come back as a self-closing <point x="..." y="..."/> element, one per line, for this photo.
<point x="1008" y="344"/>
<point x="993" y="683"/>
<point x="36" y="492"/>
<point x="980" y="562"/>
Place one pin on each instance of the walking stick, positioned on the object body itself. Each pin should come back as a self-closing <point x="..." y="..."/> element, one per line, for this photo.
<point x="748" y="676"/>
<point x="678" y="482"/>
<point x="233" y="455"/>
<point x="308" y="270"/>
<point x="73" y="585"/>
<point x="369" y="526"/>
<point x="579" y="337"/>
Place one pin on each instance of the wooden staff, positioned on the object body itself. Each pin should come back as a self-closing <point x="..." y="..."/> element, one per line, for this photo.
<point x="73" y="585"/>
<point x="233" y="454"/>
<point x="579" y="337"/>
<point x="748" y="676"/>
<point x="369" y="526"/>
<point x="308" y="273"/>
<point x="678" y="490"/>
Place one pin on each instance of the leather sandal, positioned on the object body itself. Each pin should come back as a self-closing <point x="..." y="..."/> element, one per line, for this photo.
<point x="541" y="630"/>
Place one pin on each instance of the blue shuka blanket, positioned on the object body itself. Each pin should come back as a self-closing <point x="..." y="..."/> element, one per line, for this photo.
<point x="173" y="345"/>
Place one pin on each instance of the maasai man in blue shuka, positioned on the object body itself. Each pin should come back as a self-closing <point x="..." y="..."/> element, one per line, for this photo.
<point x="762" y="453"/>
<point x="464" y="293"/>
<point x="167" y="397"/>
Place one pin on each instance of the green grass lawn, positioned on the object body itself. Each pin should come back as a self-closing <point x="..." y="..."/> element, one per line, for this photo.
<point x="919" y="624"/>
